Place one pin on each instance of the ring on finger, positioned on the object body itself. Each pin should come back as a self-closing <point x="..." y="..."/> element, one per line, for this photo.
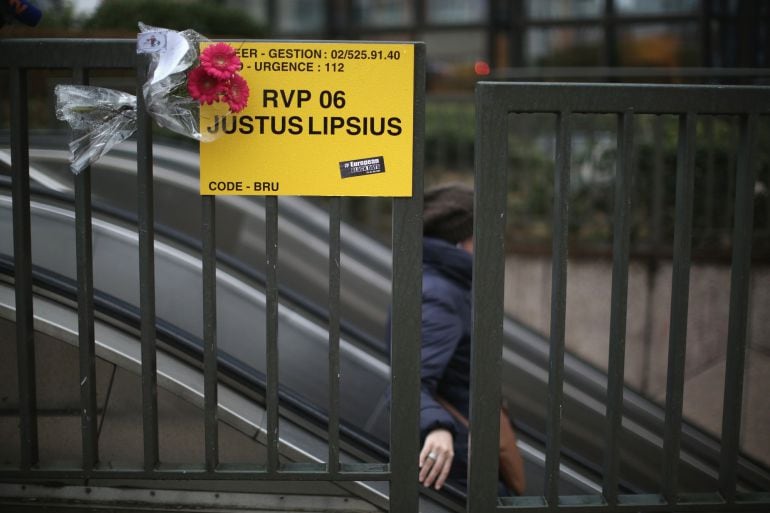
<point x="433" y="456"/>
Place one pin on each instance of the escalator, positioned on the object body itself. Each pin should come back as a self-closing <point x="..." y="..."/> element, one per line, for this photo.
<point x="302" y="337"/>
<point x="178" y="274"/>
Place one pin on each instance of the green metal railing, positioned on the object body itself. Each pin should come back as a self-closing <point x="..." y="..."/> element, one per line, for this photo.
<point x="81" y="57"/>
<point x="495" y="102"/>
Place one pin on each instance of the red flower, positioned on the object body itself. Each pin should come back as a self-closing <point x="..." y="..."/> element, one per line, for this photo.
<point x="220" y="61"/>
<point x="204" y="87"/>
<point x="236" y="94"/>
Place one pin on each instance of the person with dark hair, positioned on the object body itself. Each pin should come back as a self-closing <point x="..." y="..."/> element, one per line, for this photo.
<point x="446" y="341"/>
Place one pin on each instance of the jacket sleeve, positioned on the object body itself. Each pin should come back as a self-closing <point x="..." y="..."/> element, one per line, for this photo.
<point x="441" y="333"/>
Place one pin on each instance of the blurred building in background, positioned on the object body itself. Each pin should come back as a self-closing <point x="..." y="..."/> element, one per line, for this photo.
<point x="471" y="38"/>
<point x="594" y="40"/>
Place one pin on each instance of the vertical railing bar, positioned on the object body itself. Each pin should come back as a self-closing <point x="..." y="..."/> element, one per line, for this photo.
<point x="656" y="231"/>
<point x="85" y="280"/>
<point x="405" y="352"/>
<point x="729" y="194"/>
<point x="334" y="334"/>
<point x="271" y="321"/>
<point x="558" y="307"/>
<point x="146" y="229"/>
<point x="710" y="228"/>
<point x="22" y="261"/>
<point x="679" y="305"/>
<point x="209" y="270"/>
<point x="406" y="315"/>
<point x="737" y="336"/>
<point x="491" y="153"/>
<point x="619" y="300"/>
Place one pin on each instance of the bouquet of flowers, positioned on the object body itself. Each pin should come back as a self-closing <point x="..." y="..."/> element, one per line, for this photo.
<point x="216" y="78"/>
<point x="179" y="81"/>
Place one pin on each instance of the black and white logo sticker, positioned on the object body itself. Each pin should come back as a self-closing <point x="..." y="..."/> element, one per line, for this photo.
<point x="367" y="166"/>
<point x="151" y="42"/>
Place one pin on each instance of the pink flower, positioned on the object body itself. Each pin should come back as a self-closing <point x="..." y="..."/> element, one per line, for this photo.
<point x="220" y="61"/>
<point x="236" y="94"/>
<point x="204" y="87"/>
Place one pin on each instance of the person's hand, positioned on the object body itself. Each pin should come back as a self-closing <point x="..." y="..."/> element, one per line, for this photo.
<point x="436" y="458"/>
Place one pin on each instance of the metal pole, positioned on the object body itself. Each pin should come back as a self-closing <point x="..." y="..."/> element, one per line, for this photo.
<point x="334" y="334"/>
<point x="85" y="280"/>
<point x="737" y="331"/>
<point x="406" y="318"/>
<point x="679" y="305"/>
<point x="488" y="297"/>
<point x="619" y="301"/>
<point x="146" y="225"/>
<point x="22" y="252"/>
<point x="271" y="327"/>
<point x="209" y="270"/>
<point x="558" y="306"/>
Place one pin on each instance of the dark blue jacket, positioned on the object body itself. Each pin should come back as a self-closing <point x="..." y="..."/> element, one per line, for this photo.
<point x="446" y="343"/>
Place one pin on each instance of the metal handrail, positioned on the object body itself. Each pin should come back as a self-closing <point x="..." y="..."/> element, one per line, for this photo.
<point x="82" y="56"/>
<point x="495" y="102"/>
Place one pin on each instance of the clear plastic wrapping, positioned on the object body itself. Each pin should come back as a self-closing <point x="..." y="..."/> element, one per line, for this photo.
<point x="100" y="118"/>
<point x="165" y="91"/>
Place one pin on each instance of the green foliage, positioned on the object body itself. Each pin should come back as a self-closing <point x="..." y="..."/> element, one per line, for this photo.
<point x="449" y="132"/>
<point x="61" y="17"/>
<point x="207" y="18"/>
<point x="530" y="190"/>
<point x="716" y="160"/>
<point x="653" y="188"/>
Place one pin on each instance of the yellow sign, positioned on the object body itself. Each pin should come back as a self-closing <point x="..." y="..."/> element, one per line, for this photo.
<point x="323" y="119"/>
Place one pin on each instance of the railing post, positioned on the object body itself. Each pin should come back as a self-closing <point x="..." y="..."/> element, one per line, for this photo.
<point x="271" y="331"/>
<point x="405" y="353"/>
<point x="558" y="306"/>
<point x="335" y="313"/>
<point x="146" y="221"/>
<point x="406" y="318"/>
<point x="737" y="331"/>
<point x="86" y="335"/>
<point x="620" y="251"/>
<point x="680" y="290"/>
<point x="210" y="354"/>
<point x="487" y="310"/>
<point x="22" y="251"/>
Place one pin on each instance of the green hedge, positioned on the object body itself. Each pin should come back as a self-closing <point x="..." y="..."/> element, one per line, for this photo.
<point x="449" y="143"/>
<point x="207" y="18"/>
